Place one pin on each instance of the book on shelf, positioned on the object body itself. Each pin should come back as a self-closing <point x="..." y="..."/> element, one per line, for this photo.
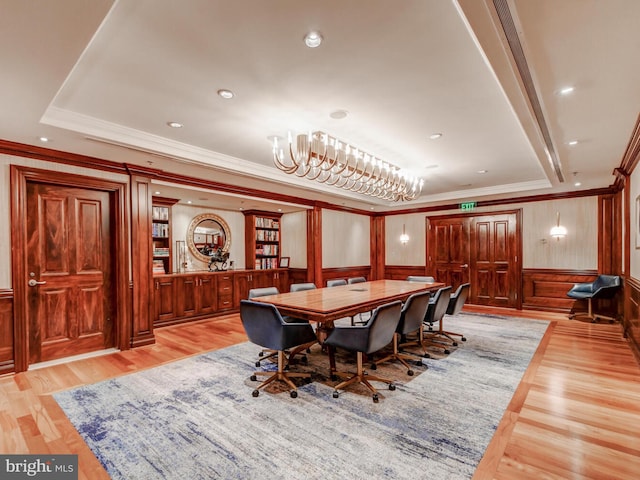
<point x="158" y="266"/>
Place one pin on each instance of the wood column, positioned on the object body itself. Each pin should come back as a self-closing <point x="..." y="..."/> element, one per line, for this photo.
<point x="141" y="261"/>
<point x="314" y="246"/>
<point x="610" y="234"/>
<point x="378" y="248"/>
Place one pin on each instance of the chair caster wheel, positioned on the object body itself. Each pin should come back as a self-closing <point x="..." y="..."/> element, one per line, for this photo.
<point x="455" y="344"/>
<point x="426" y="355"/>
<point x="304" y="359"/>
<point x="253" y="378"/>
<point x="375" y="398"/>
<point x="392" y="387"/>
<point x="293" y="394"/>
<point x="419" y="363"/>
<point x="334" y="378"/>
<point x="464" y="339"/>
<point x="447" y="351"/>
<point x="336" y="394"/>
<point x="255" y="393"/>
<point x="374" y="366"/>
<point x="261" y="354"/>
<point x="258" y="363"/>
<point x="410" y="373"/>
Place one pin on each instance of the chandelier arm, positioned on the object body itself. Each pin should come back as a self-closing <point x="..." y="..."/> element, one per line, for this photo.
<point x="282" y="166"/>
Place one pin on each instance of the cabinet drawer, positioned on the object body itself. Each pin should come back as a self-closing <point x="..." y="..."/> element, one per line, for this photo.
<point x="225" y="287"/>
<point x="225" y="302"/>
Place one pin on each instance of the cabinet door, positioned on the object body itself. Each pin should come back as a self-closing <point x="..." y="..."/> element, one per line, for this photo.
<point x="242" y="285"/>
<point x="225" y="291"/>
<point x="206" y="294"/>
<point x="164" y="299"/>
<point x="186" y="296"/>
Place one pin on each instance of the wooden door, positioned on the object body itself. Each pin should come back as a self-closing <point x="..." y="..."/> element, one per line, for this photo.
<point x="483" y="250"/>
<point x="495" y="260"/>
<point x="69" y="271"/>
<point x="449" y="255"/>
<point x="206" y="294"/>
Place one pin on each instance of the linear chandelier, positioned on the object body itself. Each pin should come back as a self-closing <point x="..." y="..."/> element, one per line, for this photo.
<point x="319" y="156"/>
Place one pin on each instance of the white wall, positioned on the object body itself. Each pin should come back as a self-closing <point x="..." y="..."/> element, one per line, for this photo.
<point x="293" y="238"/>
<point x="345" y="239"/>
<point x="413" y="253"/>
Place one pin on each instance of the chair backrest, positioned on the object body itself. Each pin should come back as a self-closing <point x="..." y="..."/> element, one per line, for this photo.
<point x="382" y="325"/>
<point x="606" y="281"/>
<point x="263" y="324"/>
<point x="456" y="302"/>
<point x="336" y="282"/>
<point x="298" y="287"/>
<point x="261" y="292"/>
<point x="438" y="305"/>
<point x="413" y="312"/>
<point x="266" y="327"/>
<point x="416" y="278"/>
<point x="353" y="280"/>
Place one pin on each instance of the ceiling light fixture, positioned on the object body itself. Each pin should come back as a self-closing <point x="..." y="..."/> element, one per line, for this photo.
<point x="313" y="39"/>
<point x="573" y="142"/>
<point x="435" y="136"/>
<point x="325" y="159"/>
<point x="175" y="124"/>
<point x="44" y="139"/>
<point x="226" y="94"/>
<point x="566" y="90"/>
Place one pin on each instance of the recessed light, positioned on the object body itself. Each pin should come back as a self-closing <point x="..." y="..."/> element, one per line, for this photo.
<point x="175" y="124"/>
<point x="577" y="184"/>
<point x="566" y="90"/>
<point x="156" y="193"/>
<point x="226" y="94"/>
<point x="44" y="139"/>
<point x="482" y="172"/>
<point x="189" y="202"/>
<point x="313" y="39"/>
<point x="573" y="142"/>
<point x="339" y="114"/>
<point x="435" y="136"/>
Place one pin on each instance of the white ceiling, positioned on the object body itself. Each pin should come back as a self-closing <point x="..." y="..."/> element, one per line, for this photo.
<point x="103" y="78"/>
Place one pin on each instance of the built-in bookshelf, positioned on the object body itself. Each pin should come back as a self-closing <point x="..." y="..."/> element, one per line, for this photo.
<point x="262" y="234"/>
<point x="161" y="234"/>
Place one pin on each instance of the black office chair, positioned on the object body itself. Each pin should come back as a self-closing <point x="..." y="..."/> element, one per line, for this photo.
<point x="366" y="339"/>
<point x="604" y="286"/>
<point x="417" y="278"/>
<point x="353" y="280"/>
<point x="266" y="353"/>
<point x="411" y="317"/>
<point x="435" y="313"/>
<point x="364" y="316"/>
<point x="456" y="302"/>
<point x="336" y="282"/>
<point x="299" y="287"/>
<point x="265" y="327"/>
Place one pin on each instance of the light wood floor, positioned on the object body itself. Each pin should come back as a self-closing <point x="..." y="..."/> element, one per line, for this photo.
<point x="576" y="413"/>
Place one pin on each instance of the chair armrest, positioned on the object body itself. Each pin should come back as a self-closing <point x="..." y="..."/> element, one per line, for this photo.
<point x="353" y="338"/>
<point x="582" y="287"/>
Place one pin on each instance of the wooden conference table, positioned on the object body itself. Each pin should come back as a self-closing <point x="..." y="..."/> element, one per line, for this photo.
<point x="324" y="305"/>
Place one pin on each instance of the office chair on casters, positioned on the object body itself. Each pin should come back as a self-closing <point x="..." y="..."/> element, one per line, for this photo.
<point x="353" y="280"/>
<point x="265" y="327"/>
<point x="366" y="339"/>
<point x="456" y="302"/>
<point x="299" y="287"/>
<point x="435" y="313"/>
<point x="604" y="286"/>
<point x="267" y="353"/>
<point x="411" y="317"/>
<point x="336" y="282"/>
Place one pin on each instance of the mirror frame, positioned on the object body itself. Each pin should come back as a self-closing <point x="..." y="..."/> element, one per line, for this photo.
<point x="191" y="230"/>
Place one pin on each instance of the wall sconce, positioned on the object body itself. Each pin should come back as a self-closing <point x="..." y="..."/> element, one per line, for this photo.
<point x="558" y="231"/>
<point x="404" y="238"/>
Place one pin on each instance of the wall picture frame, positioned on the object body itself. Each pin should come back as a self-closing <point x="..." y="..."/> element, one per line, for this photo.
<point x="284" y="262"/>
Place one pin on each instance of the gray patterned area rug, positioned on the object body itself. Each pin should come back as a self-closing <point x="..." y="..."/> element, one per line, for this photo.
<point x="196" y="418"/>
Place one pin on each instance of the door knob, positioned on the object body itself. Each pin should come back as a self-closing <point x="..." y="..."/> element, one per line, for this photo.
<point x="33" y="283"/>
<point x="466" y="265"/>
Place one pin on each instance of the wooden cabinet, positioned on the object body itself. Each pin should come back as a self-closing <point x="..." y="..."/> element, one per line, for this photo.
<point x="165" y="299"/>
<point x="225" y="291"/>
<point x="246" y="280"/>
<point x="262" y="237"/>
<point x="161" y="235"/>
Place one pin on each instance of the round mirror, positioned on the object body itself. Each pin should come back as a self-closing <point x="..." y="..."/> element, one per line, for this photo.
<point x="208" y="236"/>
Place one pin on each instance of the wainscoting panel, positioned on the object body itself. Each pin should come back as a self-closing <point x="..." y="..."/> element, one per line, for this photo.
<point x="345" y="272"/>
<point x="631" y="322"/>
<point x="546" y="289"/>
<point x="7" y="362"/>
<point x="401" y="272"/>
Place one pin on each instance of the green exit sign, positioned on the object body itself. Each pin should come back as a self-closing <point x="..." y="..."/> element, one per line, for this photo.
<point x="468" y="205"/>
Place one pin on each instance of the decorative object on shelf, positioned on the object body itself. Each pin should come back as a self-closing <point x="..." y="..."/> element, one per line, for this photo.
<point x="218" y="261"/>
<point x="558" y="231"/>
<point x="181" y="256"/>
<point x="284" y="262"/>
<point x="327" y="160"/>
<point x="404" y="238"/>
<point x="209" y="237"/>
